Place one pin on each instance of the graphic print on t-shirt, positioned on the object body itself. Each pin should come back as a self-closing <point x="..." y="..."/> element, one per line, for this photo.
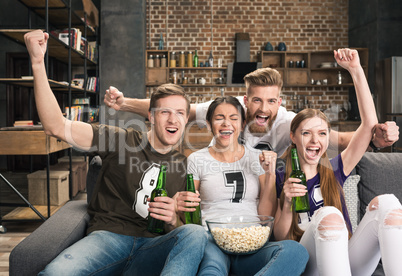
<point x="236" y="181"/>
<point x="317" y="195"/>
<point x="147" y="184"/>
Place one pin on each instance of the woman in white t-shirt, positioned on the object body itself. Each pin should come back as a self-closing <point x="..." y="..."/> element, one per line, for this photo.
<point x="232" y="181"/>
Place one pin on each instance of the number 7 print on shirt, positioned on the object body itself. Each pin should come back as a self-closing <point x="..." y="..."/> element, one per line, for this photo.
<point x="236" y="181"/>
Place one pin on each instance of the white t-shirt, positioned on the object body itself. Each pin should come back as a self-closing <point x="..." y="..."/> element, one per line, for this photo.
<point x="227" y="188"/>
<point x="278" y="137"/>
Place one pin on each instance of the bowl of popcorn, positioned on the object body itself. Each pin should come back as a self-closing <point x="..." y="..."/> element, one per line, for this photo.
<point x="240" y="234"/>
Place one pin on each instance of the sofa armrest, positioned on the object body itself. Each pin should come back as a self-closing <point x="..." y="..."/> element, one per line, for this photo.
<point x="380" y="173"/>
<point x="64" y="228"/>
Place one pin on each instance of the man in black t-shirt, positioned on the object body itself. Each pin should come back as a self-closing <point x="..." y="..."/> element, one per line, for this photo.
<point x="118" y="241"/>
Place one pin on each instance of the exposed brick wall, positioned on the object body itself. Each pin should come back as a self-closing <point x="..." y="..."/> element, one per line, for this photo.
<point x="302" y="25"/>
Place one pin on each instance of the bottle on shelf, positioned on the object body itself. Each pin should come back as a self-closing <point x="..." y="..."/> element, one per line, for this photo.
<point x="173" y="59"/>
<point x="157" y="61"/>
<point x="192" y="217"/>
<point x="161" y="43"/>
<point x="300" y="204"/>
<point x="163" y="61"/>
<point x="174" y="77"/>
<point x="182" y="59"/>
<point x="156" y="225"/>
<point x="150" y="61"/>
<point x="339" y="77"/>
<point x="219" y="59"/>
<point x="195" y="59"/>
<point x="190" y="59"/>
<point x="211" y="60"/>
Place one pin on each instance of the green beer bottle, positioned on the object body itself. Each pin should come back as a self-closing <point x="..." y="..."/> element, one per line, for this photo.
<point x="156" y="225"/>
<point x="192" y="217"/>
<point x="301" y="203"/>
<point x="195" y="59"/>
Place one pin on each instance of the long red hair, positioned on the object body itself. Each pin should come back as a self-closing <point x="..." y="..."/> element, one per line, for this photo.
<point x="331" y="190"/>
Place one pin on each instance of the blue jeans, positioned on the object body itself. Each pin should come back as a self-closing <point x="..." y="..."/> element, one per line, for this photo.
<point x="178" y="252"/>
<point x="275" y="258"/>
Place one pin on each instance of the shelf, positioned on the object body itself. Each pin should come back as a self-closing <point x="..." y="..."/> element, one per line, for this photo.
<point x="197" y="68"/>
<point x="55" y="85"/>
<point x="193" y="85"/>
<point x="328" y="69"/>
<point x="56" y="48"/>
<point x="58" y="14"/>
<point x="313" y="60"/>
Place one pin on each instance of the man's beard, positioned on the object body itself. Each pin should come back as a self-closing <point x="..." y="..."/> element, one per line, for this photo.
<point x="256" y="129"/>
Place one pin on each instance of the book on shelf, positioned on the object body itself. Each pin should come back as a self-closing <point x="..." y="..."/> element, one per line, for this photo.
<point x="23" y="123"/>
<point x="81" y="101"/>
<point x="82" y="112"/>
<point x="91" y="51"/>
<point x="75" y="114"/>
<point x="92" y="84"/>
<point x="76" y="37"/>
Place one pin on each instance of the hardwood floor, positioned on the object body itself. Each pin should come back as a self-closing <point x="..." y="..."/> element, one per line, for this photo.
<point x="16" y="232"/>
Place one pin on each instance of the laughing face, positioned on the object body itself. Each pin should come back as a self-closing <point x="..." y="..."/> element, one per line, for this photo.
<point x="311" y="139"/>
<point x="226" y="125"/>
<point x="262" y="104"/>
<point x="168" y="122"/>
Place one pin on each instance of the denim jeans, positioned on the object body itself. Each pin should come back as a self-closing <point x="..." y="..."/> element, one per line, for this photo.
<point x="275" y="258"/>
<point x="178" y="252"/>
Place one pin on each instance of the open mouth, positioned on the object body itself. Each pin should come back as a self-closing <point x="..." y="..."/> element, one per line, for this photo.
<point x="226" y="133"/>
<point x="312" y="152"/>
<point x="261" y="119"/>
<point x="172" y="130"/>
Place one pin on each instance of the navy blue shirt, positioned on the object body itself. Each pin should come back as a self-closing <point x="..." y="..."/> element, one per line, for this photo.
<point x="314" y="189"/>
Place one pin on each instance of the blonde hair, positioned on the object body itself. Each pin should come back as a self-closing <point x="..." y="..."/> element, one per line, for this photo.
<point x="331" y="190"/>
<point x="263" y="77"/>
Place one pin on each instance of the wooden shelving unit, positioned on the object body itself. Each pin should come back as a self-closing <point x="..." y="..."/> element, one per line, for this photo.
<point x="318" y="65"/>
<point x="156" y="76"/>
<point x="60" y="16"/>
<point x="60" y="59"/>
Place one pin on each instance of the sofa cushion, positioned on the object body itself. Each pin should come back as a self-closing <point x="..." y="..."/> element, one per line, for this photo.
<point x="380" y="173"/>
<point x="352" y="199"/>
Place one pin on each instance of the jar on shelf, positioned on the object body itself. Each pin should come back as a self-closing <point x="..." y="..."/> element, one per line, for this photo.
<point x="173" y="59"/>
<point x="185" y="81"/>
<point x="157" y="61"/>
<point x="163" y="61"/>
<point x="190" y="59"/>
<point x="150" y="61"/>
<point x="182" y="59"/>
<point x="174" y="77"/>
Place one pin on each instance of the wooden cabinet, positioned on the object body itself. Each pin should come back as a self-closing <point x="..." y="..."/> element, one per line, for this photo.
<point x="32" y="142"/>
<point x="156" y="75"/>
<point x="311" y="68"/>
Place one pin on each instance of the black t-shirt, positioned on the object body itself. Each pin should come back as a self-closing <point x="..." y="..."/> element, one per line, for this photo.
<point x="130" y="169"/>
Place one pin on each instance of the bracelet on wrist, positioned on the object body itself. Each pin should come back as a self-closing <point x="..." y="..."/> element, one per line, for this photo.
<point x="375" y="149"/>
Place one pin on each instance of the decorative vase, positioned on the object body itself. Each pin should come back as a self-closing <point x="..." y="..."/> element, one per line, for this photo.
<point x="268" y="47"/>
<point x="281" y="46"/>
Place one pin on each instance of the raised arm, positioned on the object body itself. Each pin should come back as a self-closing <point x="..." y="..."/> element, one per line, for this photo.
<point x="115" y="99"/>
<point x="385" y="135"/>
<point x="268" y="203"/>
<point x="78" y="134"/>
<point x="349" y="59"/>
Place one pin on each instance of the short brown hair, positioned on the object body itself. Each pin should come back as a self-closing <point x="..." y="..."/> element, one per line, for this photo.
<point x="166" y="90"/>
<point x="264" y="77"/>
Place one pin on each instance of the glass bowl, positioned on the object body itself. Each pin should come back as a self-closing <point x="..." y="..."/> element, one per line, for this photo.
<point x="240" y="234"/>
